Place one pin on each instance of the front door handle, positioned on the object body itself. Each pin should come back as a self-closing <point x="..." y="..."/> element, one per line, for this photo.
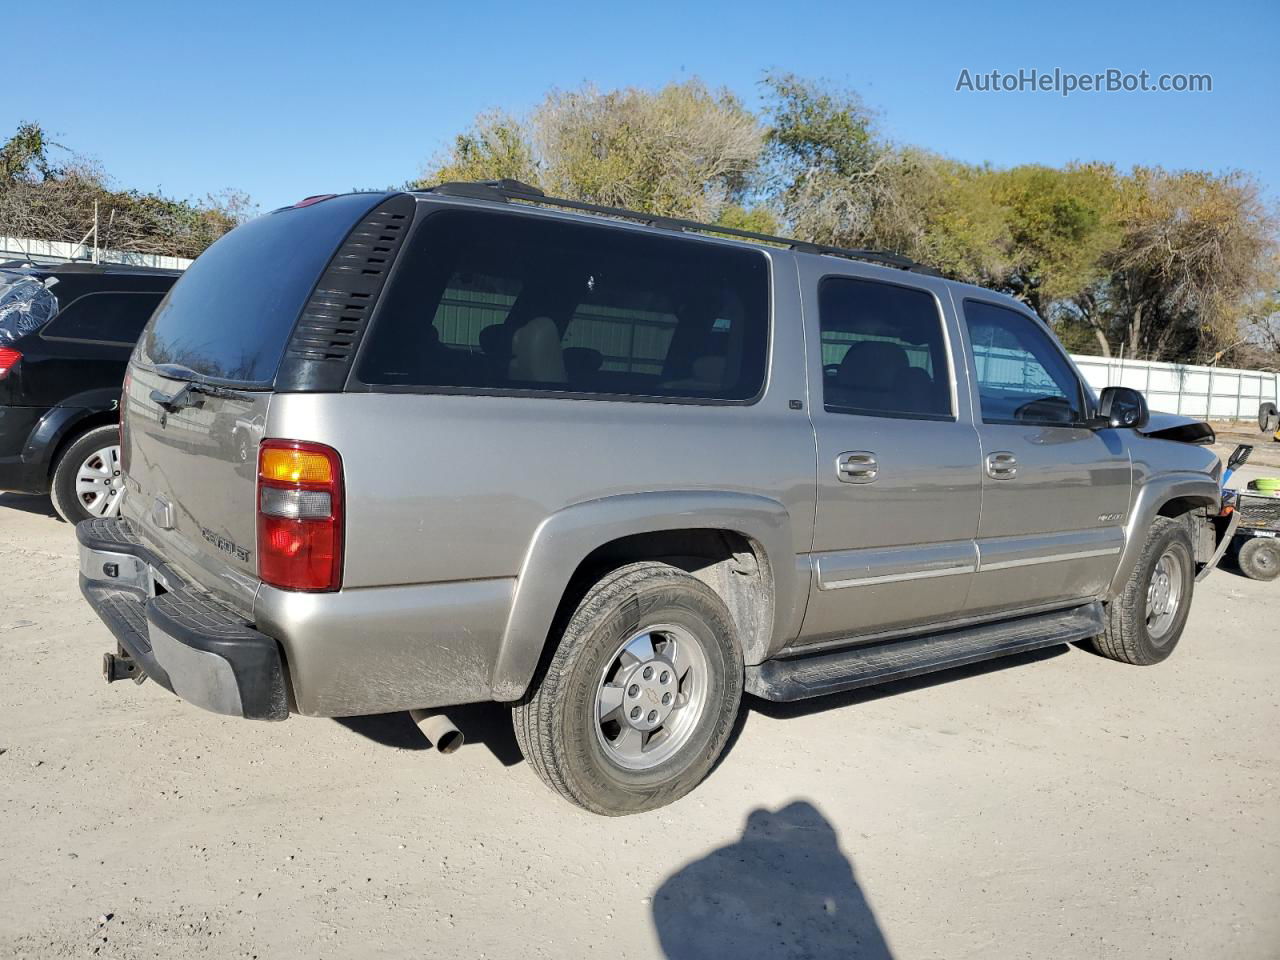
<point x="1002" y="465"/>
<point x="858" y="466"/>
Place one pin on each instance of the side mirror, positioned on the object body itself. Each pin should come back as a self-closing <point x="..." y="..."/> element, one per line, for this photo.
<point x="1121" y="408"/>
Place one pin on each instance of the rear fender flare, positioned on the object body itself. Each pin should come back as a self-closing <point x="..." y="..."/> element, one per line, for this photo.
<point x="63" y="420"/>
<point x="1154" y="494"/>
<point x="567" y="537"/>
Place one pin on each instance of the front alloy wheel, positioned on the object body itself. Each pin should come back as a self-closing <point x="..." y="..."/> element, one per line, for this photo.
<point x="1164" y="595"/>
<point x="1144" y="623"/>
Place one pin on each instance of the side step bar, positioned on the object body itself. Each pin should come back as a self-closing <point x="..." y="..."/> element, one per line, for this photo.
<point x="801" y="677"/>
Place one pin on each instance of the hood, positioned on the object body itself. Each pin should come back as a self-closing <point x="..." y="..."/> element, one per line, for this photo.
<point x="1173" y="426"/>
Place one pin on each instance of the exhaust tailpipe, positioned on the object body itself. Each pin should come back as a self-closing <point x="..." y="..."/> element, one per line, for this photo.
<point x="439" y="729"/>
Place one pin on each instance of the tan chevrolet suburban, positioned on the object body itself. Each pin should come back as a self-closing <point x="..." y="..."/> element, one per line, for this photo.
<point x="403" y="451"/>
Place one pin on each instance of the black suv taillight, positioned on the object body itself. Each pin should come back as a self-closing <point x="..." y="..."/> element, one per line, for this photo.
<point x="9" y="358"/>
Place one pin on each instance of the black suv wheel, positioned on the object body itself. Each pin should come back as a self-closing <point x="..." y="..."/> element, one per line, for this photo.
<point x="87" y="481"/>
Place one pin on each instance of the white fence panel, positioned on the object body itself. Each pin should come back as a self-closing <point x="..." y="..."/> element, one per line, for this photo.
<point x="56" y="251"/>
<point x="1216" y="393"/>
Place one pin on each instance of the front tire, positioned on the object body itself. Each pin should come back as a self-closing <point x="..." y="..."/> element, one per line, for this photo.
<point x="1146" y="621"/>
<point x="87" y="479"/>
<point x="636" y="704"/>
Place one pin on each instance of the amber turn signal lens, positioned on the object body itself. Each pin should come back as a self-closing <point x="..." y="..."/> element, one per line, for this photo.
<point x="285" y="465"/>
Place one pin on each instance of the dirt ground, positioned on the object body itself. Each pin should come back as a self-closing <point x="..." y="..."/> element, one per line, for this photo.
<point x="1265" y="458"/>
<point x="1055" y="805"/>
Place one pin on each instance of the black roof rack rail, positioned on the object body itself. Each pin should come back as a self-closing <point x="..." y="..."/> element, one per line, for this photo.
<point x="506" y="190"/>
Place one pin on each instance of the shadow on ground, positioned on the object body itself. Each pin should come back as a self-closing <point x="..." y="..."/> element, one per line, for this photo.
<point x="39" y="505"/>
<point x="783" y="890"/>
<point x="487" y="724"/>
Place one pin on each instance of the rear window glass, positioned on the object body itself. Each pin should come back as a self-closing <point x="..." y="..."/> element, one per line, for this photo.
<point x="106" y="317"/>
<point x="499" y="302"/>
<point x="230" y="315"/>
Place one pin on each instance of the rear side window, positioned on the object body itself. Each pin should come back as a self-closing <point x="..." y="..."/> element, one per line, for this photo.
<point x="26" y="304"/>
<point x="230" y="315"/>
<point x="490" y="302"/>
<point x="1022" y="375"/>
<point x="108" y="317"/>
<point x="883" y="350"/>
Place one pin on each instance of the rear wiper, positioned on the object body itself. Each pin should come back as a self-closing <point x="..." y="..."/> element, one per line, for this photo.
<point x="186" y="394"/>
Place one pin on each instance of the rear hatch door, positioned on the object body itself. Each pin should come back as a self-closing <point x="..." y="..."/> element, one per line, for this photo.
<point x="201" y="383"/>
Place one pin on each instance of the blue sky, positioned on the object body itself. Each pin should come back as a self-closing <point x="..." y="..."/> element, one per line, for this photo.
<point x="286" y="100"/>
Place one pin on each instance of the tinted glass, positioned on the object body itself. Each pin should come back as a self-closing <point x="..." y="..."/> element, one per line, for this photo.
<point x="883" y="351"/>
<point x="1023" y="377"/>
<point x="111" y="317"/>
<point x="500" y="302"/>
<point x="230" y="315"/>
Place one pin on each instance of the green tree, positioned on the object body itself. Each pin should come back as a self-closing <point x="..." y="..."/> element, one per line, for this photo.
<point x="497" y="146"/>
<point x="758" y="219"/>
<point x="822" y="166"/>
<point x="46" y="201"/>
<point x="1196" y="251"/>
<point x="25" y="156"/>
<point x="683" y="150"/>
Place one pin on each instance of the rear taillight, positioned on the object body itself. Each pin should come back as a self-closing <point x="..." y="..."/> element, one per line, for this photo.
<point x="8" y="360"/>
<point x="299" y="515"/>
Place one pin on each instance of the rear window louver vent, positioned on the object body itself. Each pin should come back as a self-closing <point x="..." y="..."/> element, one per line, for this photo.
<point x="337" y="313"/>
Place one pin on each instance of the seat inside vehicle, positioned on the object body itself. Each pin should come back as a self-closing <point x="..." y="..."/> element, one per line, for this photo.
<point x="564" y="307"/>
<point x="883" y="353"/>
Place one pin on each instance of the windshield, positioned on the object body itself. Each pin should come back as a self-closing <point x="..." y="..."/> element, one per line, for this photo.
<point x="26" y="305"/>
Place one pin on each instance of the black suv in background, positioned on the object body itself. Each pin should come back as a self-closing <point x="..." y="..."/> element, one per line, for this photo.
<point x="66" y="332"/>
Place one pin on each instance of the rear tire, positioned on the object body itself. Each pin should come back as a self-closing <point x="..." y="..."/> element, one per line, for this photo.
<point x="86" y="479"/>
<point x="1146" y="621"/>
<point x="1259" y="558"/>
<point x="635" y="705"/>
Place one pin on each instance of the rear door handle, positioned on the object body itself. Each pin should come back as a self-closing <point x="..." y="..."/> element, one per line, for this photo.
<point x="1002" y="465"/>
<point x="857" y="466"/>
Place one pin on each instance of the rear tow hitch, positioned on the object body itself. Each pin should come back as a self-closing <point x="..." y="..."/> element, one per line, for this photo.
<point x="121" y="666"/>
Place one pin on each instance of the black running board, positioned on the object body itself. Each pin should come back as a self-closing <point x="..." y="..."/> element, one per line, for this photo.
<point x="815" y="675"/>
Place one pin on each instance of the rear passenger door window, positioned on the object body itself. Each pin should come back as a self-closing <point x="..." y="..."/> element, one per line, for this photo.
<point x="492" y="302"/>
<point x="109" y="317"/>
<point x="884" y="353"/>
<point x="1022" y="375"/>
